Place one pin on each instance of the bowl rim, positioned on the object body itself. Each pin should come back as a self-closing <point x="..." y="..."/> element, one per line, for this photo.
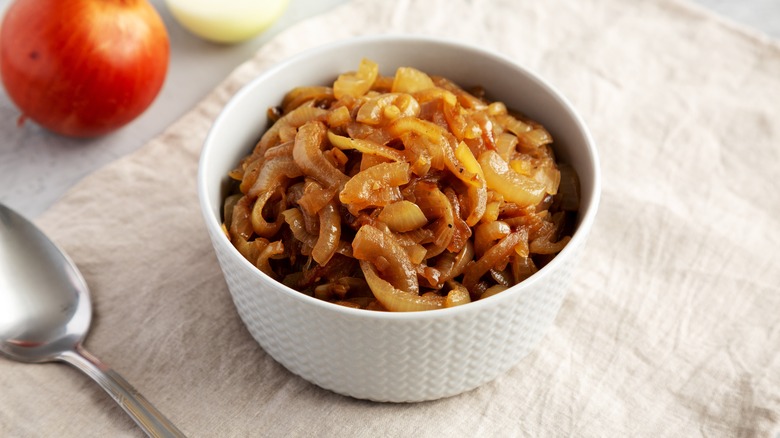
<point x="578" y="238"/>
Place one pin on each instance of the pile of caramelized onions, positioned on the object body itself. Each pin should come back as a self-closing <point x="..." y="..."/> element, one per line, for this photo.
<point x="399" y="193"/>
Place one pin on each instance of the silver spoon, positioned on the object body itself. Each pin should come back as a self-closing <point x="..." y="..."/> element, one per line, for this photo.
<point x="45" y="312"/>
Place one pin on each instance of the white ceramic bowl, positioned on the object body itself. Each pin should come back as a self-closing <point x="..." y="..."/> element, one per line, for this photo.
<point x="398" y="357"/>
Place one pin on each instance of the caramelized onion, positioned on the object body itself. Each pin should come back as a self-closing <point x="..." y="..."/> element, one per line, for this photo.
<point x="476" y="204"/>
<point x="506" y="145"/>
<point x="411" y="80"/>
<point x="307" y="154"/>
<point x="240" y="222"/>
<point x="522" y="268"/>
<point x="295" y="118"/>
<point x="376" y="186"/>
<point x="315" y="197"/>
<point x="493" y="290"/>
<point x="380" y="248"/>
<point x="514" y="187"/>
<point x="339" y="117"/>
<point x="397" y="300"/>
<point x="535" y="138"/>
<point x="330" y="233"/>
<point x="258" y="216"/>
<point x="466" y="100"/>
<point x="358" y="83"/>
<point x="466" y="159"/>
<point x="399" y="193"/>
<point x="435" y="205"/>
<point x="487" y="234"/>
<point x="495" y="256"/>
<point x="451" y="265"/>
<point x="300" y="95"/>
<point x="227" y="209"/>
<point x="403" y="216"/>
<point x="365" y="147"/>
<point x="270" y="250"/>
<point x="294" y="219"/>
<point x="273" y="174"/>
<point x="388" y="106"/>
<point x="458" y="295"/>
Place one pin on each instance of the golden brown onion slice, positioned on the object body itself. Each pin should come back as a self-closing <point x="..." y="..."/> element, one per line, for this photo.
<point x="296" y="118"/>
<point x="499" y="254"/>
<point x="394" y="299"/>
<point x="259" y="212"/>
<point x="294" y="219"/>
<point x="382" y="250"/>
<point x="365" y="147"/>
<point x="376" y="186"/>
<point x="330" y="233"/>
<point x="522" y="268"/>
<point x="435" y="205"/>
<point x="521" y="190"/>
<point x="307" y="154"/>
<point x="411" y="80"/>
<point x="315" y="197"/>
<point x="506" y="145"/>
<point x="259" y="251"/>
<point x="247" y="173"/>
<point x="271" y="250"/>
<point x="451" y="265"/>
<point x="403" y="216"/>
<point x="433" y="94"/>
<point x="274" y="173"/>
<point x="470" y="164"/>
<point x="356" y="84"/>
<point x="227" y="207"/>
<point x="512" y="124"/>
<point x="299" y="95"/>
<point x="486" y="235"/>
<point x="388" y="106"/>
<point x="338" y="117"/>
<point x="240" y="219"/>
<point x="535" y="138"/>
<point x="493" y="290"/>
<point x="466" y="99"/>
<point x="416" y="253"/>
<point x="475" y="203"/>
<point x="462" y="231"/>
<point x="458" y="295"/>
<point x="545" y="246"/>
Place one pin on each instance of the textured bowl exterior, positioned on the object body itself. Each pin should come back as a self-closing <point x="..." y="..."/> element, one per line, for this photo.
<point x="391" y="356"/>
<point x="391" y="359"/>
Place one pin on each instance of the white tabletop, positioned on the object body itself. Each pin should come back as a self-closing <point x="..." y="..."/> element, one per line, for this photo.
<point x="37" y="167"/>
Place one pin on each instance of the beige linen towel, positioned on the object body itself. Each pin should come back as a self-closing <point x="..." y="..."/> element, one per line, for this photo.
<point x="670" y="328"/>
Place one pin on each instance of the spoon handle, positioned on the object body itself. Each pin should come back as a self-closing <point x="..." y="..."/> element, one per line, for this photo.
<point x="152" y="421"/>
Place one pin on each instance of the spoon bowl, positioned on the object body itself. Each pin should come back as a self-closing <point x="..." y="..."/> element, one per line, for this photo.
<point x="45" y="308"/>
<point x="46" y="311"/>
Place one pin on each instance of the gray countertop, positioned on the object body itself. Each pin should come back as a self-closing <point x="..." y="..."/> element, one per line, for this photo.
<point x="37" y="167"/>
